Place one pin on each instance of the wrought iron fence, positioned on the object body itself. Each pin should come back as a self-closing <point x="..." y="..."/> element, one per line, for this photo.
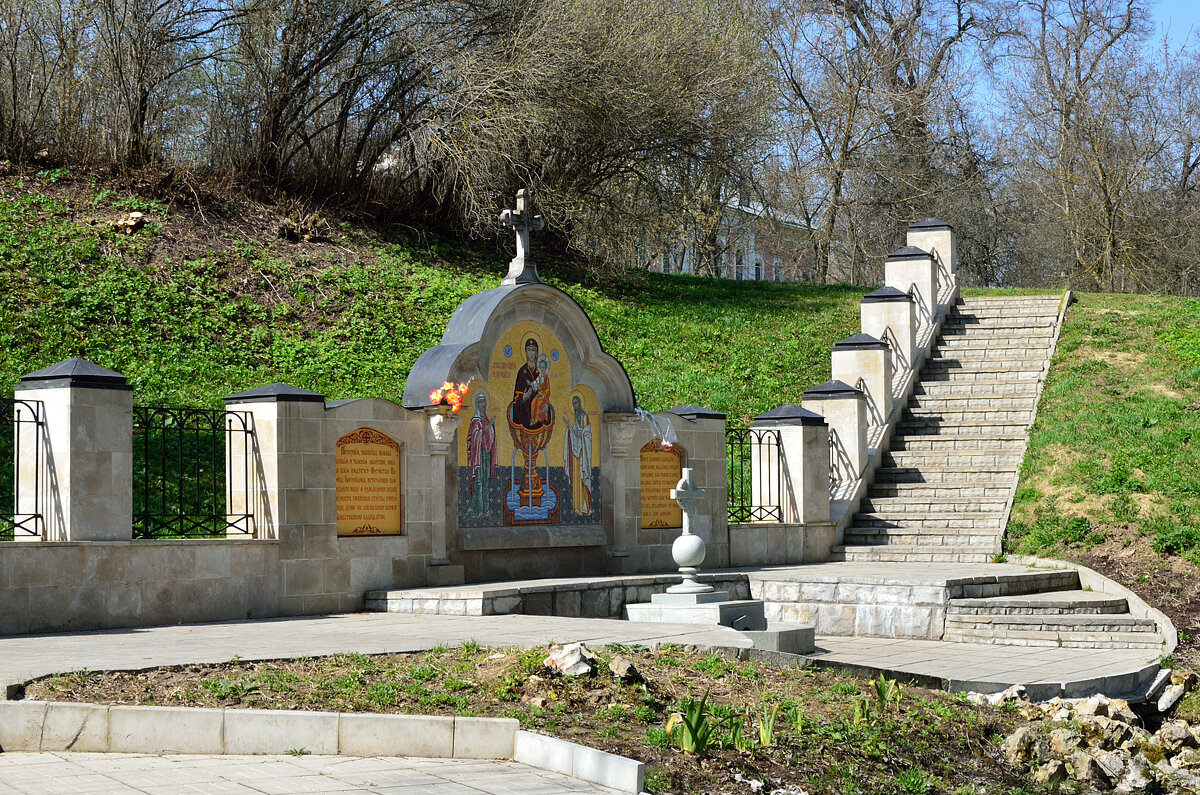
<point x="755" y="473"/>
<point x="22" y="423"/>
<point x="192" y="473"/>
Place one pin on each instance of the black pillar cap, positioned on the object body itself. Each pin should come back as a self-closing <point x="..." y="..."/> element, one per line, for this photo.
<point x="908" y="252"/>
<point x="930" y="223"/>
<point x="791" y="414"/>
<point x="860" y="342"/>
<point x="276" y="393"/>
<point x="885" y="294"/>
<point x="75" y="373"/>
<point x="691" y="412"/>
<point x="832" y="389"/>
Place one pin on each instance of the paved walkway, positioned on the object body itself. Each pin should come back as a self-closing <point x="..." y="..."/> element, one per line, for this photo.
<point x="60" y="773"/>
<point x="952" y="665"/>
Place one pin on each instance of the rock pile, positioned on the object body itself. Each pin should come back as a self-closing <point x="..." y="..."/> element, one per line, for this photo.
<point x="1100" y="743"/>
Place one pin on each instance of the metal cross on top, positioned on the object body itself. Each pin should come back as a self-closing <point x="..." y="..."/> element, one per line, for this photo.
<point x="522" y="269"/>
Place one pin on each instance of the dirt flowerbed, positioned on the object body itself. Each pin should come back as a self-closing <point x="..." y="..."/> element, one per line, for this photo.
<point x="770" y="728"/>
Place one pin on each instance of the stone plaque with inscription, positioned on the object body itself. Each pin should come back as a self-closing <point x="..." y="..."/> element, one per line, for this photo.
<point x="368" y="484"/>
<point x="661" y="469"/>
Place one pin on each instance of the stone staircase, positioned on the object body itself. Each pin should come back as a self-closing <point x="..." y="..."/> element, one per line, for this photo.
<point x="942" y="490"/>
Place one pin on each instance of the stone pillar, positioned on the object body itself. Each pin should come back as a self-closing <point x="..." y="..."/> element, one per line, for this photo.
<point x="888" y="314"/>
<point x="803" y="462"/>
<point x="937" y="237"/>
<point x="845" y="409"/>
<point x="620" y="427"/>
<point x="287" y="425"/>
<point x="441" y="428"/>
<point x="866" y="363"/>
<point x="87" y="453"/>
<point x="912" y="269"/>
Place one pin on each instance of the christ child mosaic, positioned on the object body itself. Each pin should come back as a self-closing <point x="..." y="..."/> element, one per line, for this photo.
<point x="528" y="453"/>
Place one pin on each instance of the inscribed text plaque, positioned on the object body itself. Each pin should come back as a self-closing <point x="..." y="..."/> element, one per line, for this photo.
<point x="368" y="484"/>
<point x="661" y="467"/>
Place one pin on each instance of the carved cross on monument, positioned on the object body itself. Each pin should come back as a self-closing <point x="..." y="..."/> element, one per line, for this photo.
<point x="688" y="549"/>
<point x="522" y="269"/>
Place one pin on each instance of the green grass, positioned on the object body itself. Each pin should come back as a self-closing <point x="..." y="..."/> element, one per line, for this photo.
<point x="239" y="314"/>
<point x="1117" y="437"/>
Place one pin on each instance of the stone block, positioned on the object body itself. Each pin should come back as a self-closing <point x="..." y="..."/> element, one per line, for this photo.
<point x="568" y="604"/>
<point x="165" y="730"/>
<point x="607" y="770"/>
<point x="595" y="603"/>
<point x="542" y="752"/>
<point x="788" y="639"/>
<point x="335" y="575"/>
<point x="263" y="731"/>
<point x="484" y="738"/>
<point x="21" y="725"/>
<point x="75" y="727"/>
<point x="301" y="577"/>
<point x="396" y="735"/>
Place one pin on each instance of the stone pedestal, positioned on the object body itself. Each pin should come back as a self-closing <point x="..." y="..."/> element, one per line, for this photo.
<point x="845" y="409"/>
<point x="803" y="465"/>
<point x="912" y="270"/>
<point x="713" y="607"/>
<point x="937" y="237"/>
<point x="890" y="315"/>
<point x="87" y="457"/>
<point x="865" y="362"/>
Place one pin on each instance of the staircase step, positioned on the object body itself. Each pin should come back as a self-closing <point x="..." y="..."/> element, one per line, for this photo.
<point x="1027" y="364"/>
<point x="908" y="554"/>
<point x="953" y="417"/>
<point x="1035" y="333"/>
<point x="967" y="476"/>
<point x="972" y="399"/>
<point x="962" y="458"/>
<point x="917" y="506"/>
<point x="1023" y="389"/>
<point x="914" y="426"/>
<point x="1101" y="631"/>
<point x="1052" y="603"/>
<point x="980" y="542"/>
<point x="958" y="520"/>
<point x="972" y="376"/>
<point x="975" y="490"/>
<point x="941" y="443"/>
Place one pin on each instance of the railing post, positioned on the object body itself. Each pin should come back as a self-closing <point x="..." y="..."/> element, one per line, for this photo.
<point x="888" y="314"/>
<point x="937" y="237"/>
<point x="912" y="269"/>
<point x="281" y="416"/>
<point x="866" y="363"/>
<point x="87" y="456"/>
<point x="803" y="457"/>
<point x="845" y="409"/>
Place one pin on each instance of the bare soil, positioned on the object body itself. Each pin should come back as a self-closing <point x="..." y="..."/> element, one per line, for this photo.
<point x="831" y="733"/>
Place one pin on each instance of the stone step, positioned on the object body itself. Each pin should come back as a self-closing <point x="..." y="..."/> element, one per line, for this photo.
<point x="967" y="358"/>
<point x="961" y="342"/>
<point x="948" y="476"/>
<point x="959" y="459"/>
<point x="917" y="506"/>
<point x="1028" y="364"/>
<point x="1052" y="603"/>
<point x="933" y="491"/>
<point x="1053" y="631"/>
<point x="946" y="442"/>
<point x="908" y="554"/>
<point x="981" y="542"/>
<point x="1025" y="389"/>
<point x="956" y="417"/>
<point x="962" y="399"/>
<point x="999" y="313"/>
<point x="972" y="376"/>
<point x="958" y="520"/>
<point x="925" y="427"/>
<point x="1035" y="333"/>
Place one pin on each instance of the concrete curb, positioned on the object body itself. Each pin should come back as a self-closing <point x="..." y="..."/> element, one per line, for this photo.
<point x="47" y="726"/>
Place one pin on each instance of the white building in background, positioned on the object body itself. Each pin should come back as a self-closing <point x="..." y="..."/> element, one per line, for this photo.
<point x="758" y="245"/>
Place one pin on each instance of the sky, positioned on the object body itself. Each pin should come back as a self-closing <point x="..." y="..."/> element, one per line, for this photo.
<point x="1176" y="18"/>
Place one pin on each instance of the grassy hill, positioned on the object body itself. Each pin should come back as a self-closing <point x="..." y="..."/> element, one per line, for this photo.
<point x="1111" y="477"/>
<point x="205" y="301"/>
